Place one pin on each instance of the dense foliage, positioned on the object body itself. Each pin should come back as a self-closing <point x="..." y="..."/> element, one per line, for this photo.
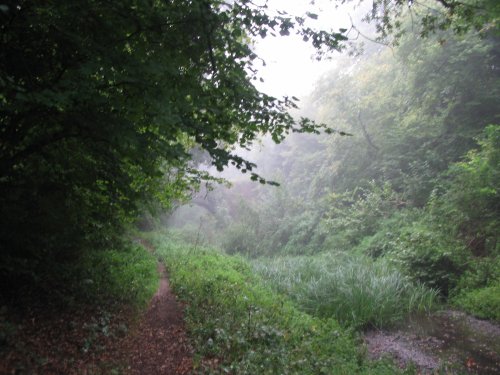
<point x="110" y="278"/>
<point x="416" y="185"/>
<point x="108" y="109"/>
<point x="427" y="17"/>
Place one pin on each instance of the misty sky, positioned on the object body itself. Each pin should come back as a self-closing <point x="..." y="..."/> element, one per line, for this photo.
<point x="290" y="67"/>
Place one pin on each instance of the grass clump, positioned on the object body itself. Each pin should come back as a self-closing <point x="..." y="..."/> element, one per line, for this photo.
<point x="237" y="321"/>
<point x="356" y="291"/>
<point x="127" y="275"/>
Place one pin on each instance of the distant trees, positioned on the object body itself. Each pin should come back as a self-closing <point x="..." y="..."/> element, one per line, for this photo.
<point x="425" y="17"/>
<point x="417" y="181"/>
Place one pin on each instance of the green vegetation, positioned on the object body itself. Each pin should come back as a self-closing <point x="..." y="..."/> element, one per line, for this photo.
<point x="112" y="277"/>
<point x="416" y="187"/>
<point x="483" y="303"/>
<point x="79" y="324"/>
<point x="111" y="109"/>
<point x="235" y="319"/>
<point x="356" y="291"/>
<point x="127" y="276"/>
<point x="478" y="289"/>
<point x="391" y="20"/>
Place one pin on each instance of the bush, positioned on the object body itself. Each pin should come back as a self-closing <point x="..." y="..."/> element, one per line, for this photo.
<point x="472" y="199"/>
<point x="430" y="256"/>
<point x="480" y="273"/>
<point x="386" y="239"/>
<point x="478" y="290"/>
<point x="240" y="239"/>
<point x="352" y="216"/>
<point x="126" y="274"/>
<point x="483" y="303"/>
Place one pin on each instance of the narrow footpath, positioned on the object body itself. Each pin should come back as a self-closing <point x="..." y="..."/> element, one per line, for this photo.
<point x="160" y="345"/>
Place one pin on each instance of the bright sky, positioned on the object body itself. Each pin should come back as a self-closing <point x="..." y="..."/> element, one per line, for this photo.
<point x="290" y="67"/>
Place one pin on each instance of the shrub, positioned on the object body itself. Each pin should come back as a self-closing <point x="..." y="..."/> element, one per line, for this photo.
<point x="481" y="272"/>
<point x="471" y="201"/>
<point x="240" y="239"/>
<point x="127" y="275"/>
<point x="483" y="303"/>
<point x="430" y="256"/>
<point x="351" y="216"/>
<point x="385" y="240"/>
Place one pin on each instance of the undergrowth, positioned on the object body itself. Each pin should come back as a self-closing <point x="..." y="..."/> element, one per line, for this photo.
<point x="126" y="276"/>
<point x="483" y="303"/>
<point x="241" y="326"/>
<point x="356" y="290"/>
<point x="73" y="330"/>
<point x="123" y="275"/>
<point x="478" y="290"/>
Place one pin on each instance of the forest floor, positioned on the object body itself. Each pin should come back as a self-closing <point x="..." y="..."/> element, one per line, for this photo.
<point x="98" y="340"/>
<point x="448" y="340"/>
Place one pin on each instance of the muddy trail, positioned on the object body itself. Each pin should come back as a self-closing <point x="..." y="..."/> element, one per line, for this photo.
<point x="448" y="341"/>
<point x="160" y="345"/>
<point x="92" y="340"/>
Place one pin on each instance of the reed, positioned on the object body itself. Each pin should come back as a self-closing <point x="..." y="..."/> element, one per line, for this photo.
<point x="355" y="290"/>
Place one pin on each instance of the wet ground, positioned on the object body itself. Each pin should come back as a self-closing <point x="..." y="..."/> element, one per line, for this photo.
<point x="449" y="340"/>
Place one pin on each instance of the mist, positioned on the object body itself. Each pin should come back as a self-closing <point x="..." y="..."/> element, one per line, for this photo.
<point x="290" y="67"/>
<point x="400" y="140"/>
<point x="386" y="197"/>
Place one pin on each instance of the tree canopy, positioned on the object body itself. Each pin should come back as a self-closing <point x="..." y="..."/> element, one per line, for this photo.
<point x="425" y="17"/>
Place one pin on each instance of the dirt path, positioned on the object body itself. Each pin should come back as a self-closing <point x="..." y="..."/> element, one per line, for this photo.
<point x="160" y="345"/>
<point x="95" y="339"/>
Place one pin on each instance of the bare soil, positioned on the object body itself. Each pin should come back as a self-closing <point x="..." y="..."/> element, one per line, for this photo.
<point x="98" y="340"/>
<point x="449" y="340"/>
<point x="160" y="345"/>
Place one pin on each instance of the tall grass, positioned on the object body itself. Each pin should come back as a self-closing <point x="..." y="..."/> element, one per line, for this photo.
<point x="355" y="290"/>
